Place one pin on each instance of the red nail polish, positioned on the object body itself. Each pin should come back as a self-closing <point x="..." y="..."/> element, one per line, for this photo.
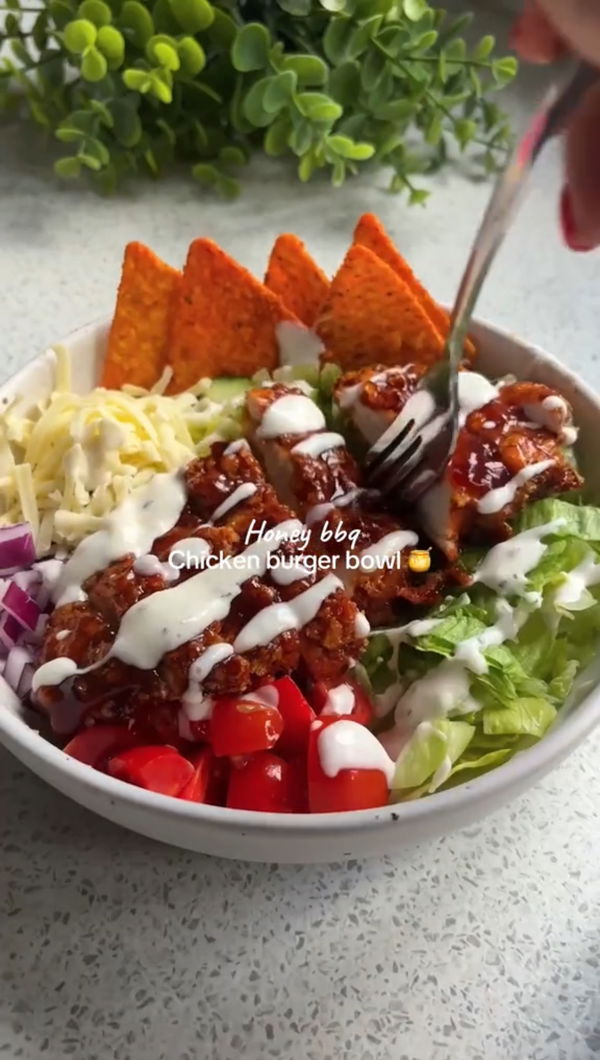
<point x="567" y="220"/>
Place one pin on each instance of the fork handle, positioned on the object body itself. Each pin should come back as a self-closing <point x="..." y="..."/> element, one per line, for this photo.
<point x="548" y="120"/>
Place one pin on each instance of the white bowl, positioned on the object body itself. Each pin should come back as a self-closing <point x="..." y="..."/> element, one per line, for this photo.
<point x="328" y="837"/>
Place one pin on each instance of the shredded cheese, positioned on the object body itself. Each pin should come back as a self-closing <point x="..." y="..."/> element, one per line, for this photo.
<point x="69" y="461"/>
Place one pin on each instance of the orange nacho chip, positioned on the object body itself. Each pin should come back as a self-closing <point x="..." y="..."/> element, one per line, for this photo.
<point x="370" y="233"/>
<point x="371" y="316"/>
<point x="137" y="341"/>
<point x="296" y="278"/>
<point x="224" y="320"/>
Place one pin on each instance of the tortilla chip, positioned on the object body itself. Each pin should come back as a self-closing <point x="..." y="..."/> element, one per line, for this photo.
<point x="296" y="278"/>
<point x="370" y="233"/>
<point x="224" y="320"/>
<point x="137" y="342"/>
<point x="372" y="317"/>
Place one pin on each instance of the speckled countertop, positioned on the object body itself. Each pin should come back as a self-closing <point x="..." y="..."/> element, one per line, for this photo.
<point x="479" y="946"/>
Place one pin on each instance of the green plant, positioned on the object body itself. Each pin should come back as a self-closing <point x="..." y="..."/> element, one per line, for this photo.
<point x="131" y="87"/>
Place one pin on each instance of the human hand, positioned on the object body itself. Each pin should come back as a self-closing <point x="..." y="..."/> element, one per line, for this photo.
<point x="546" y="31"/>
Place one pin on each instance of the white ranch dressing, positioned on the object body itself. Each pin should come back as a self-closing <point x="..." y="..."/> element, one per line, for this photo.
<point x="297" y="344"/>
<point x="387" y="546"/>
<point x="130" y="528"/>
<point x="236" y="446"/>
<point x="318" y="512"/>
<point x="474" y="391"/>
<point x="340" y="700"/>
<point x="290" y="569"/>
<point x="509" y="621"/>
<point x="291" y="414"/>
<point x="441" y="691"/>
<point x="362" y="626"/>
<point x="149" y="565"/>
<point x="576" y="581"/>
<point x="496" y="499"/>
<point x="317" y="444"/>
<point x="241" y="493"/>
<point x="282" y="617"/>
<point x="162" y="622"/>
<point x="198" y="707"/>
<point x="348" y="745"/>
<point x="506" y="566"/>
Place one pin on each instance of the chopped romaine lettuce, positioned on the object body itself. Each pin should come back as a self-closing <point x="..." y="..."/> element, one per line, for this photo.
<point x="526" y="679"/>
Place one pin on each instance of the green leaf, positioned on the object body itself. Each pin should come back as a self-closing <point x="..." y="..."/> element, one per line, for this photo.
<point x="67" y="167"/>
<point x="484" y="48"/>
<point x="504" y="70"/>
<point x="250" y="49"/>
<point x="227" y="187"/>
<point x="346" y="148"/>
<point x="414" y="9"/>
<point x="344" y="83"/>
<point x="275" y="141"/>
<point x="418" y="196"/>
<point x="60" y="12"/>
<point x="300" y="8"/>
<point x="137" y="21"/>
<point x="338" y="173"/>
<point x="333" y="5"/>
<point x="397" y="110"/>
<point x="372" y="70"/>
<point x="433" y="131"/>
<point x="111" y="43"/>
<point x="96" y="11"/>
<point x="21" y="53"/>
<point x="232" y="156"/>
<point x="252" y="106"/>
<point x="301" y="137"/>
<point x="160" y="85"/>
<point x="127" y="126"/>
<point x="318" y="107"/>
<point x="39" y="31"/>
<point x="307" y="166"/>
<point x="309" y="69"/>
<point x="223" y="30"/>
<point x="336" y="39"/>
<point x="79" y="35"/>
<point x="279" y="91"/>
<point x="93" y="65"/>
<point x="193" y="15"/>
<point x="464" y="130"/>
<point x="163" y="53"/>
<point x="205" y="173"/>
<point x="137" y="80"/>
<point x="191" y="55"/>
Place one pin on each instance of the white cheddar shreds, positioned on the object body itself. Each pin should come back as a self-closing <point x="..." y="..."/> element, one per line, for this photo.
<point x="69" y="461"/>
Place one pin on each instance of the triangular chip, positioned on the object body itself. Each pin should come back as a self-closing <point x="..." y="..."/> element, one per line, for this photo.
<point x="370" y="233"/>
<point x="372" y="317"/>
<point x="137" y="341"/>
<point x="224" y="321"/>
<point x="296" y="278"/>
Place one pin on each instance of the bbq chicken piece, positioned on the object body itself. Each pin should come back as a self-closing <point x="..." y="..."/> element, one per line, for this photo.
<point x="316" y="474"/>
<point x="510" y="449"/>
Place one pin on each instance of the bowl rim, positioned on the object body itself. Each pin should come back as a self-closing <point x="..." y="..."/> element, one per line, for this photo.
<point x="533" y="761"/>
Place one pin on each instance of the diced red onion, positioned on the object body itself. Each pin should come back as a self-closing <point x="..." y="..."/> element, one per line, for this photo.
<point x="17" y="548"/>
<point x="28" y="580"/>
<point x="10" y="631"/>
<point x="20" y="605"/>
<point x="18" y="670"/>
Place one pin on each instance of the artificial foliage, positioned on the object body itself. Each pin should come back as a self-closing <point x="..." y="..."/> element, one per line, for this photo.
<point x="131" y="88"/>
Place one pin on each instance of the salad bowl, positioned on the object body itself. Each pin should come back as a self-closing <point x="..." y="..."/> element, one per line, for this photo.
<point x="304" y="838"/>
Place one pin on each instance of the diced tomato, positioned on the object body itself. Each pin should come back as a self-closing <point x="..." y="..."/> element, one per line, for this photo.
<point x="350" y="789"/>
<point x="297" y="715"/>
<point x="94" y="745"/>
<point x="195" y="790"/>
<point x="361" y="711"/>
<point x="216" y="792"/>
<point x="160" y="769"/>
<point x="264" y="782"/>
<point x="242" y="726"/>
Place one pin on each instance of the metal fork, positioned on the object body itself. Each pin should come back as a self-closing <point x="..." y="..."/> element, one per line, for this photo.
<point x="415" y="449"/>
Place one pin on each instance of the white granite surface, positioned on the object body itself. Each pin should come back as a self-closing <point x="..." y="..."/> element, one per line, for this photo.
<point x="481" y="946"/>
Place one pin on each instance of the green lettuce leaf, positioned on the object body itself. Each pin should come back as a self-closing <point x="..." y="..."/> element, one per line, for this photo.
<point x="430" y="746"/>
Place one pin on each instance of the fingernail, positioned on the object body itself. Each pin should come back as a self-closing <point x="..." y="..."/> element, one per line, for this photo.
<point x="567" y="220"/>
